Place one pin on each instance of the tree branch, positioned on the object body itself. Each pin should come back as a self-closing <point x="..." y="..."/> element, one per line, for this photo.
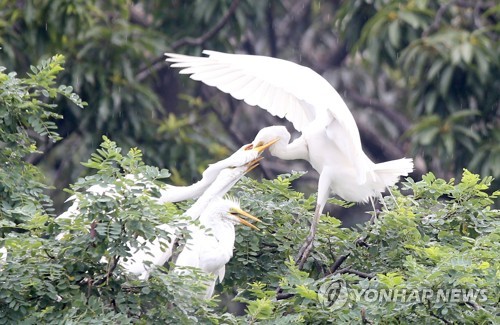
<point x="437" y="19"/>
<point x="282" y="296"/>
<point x="338" y="262"/>
<point x="440" y="318"/>
<point x="401" y="122"/>
<point x="355" y="272"/>
<point x="210" y="33"/>
<point x="158" y="63"/>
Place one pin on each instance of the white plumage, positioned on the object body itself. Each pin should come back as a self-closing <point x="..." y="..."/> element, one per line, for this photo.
<point x="217" y="180"/>
<point x="330" y="139"/>
<point x="210" y="247"/>
<point x="159" y="251"/>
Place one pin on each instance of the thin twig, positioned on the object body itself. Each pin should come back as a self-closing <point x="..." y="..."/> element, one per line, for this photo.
<point x="474" y="305"/>
<point x="110" y="271"/>
<point x="440" y="318"/>
<point x="209" y="34"/>
<point x="158" y="63"/>
<point x="437" y="19"/>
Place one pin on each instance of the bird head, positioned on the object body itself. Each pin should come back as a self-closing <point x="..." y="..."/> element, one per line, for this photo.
<point x="229" y="209"/>
<point x="269" y="137"/>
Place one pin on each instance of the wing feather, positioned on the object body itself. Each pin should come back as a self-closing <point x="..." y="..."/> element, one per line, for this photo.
<point x="283" y="88"/>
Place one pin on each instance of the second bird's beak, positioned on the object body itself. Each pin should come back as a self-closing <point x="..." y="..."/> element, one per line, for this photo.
<point x="261" y="148"/>
<point x="253" y="164"/>
<point x="235" y="211"/>
<point x="266" y="145"/>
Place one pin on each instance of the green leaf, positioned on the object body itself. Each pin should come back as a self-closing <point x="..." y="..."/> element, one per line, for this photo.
<point x="395" y="34"/>
<point x="466" y="51"/>
<point x="306" y="293"/>
<point x="445" y="81"/>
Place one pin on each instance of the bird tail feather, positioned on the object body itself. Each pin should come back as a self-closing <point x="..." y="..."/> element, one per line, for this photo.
<point x="390" y="171"/>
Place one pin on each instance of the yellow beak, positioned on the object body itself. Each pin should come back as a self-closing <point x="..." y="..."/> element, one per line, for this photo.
<point x="253" y="164"/>
<point x="267" y="145"/>
<point x="247" y="215"/>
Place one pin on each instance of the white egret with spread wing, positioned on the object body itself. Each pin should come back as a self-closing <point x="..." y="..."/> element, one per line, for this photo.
<point x="330" y="139"/>
<point x="210" y="247"/>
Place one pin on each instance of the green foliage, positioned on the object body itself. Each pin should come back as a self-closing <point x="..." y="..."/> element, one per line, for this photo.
<point x="439" y="236"/>
<point x="445" y="57"/>
<point x="79" y="278"/>
<point x="434" y="234"/>
<point x="27" y="118"/>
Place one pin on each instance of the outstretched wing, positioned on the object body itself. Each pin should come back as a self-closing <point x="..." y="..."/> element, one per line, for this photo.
<point x="283" y="88"/>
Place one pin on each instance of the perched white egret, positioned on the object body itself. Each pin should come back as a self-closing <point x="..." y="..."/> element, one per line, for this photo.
<point x="210" y="247"/>
<point x="330" y="139"/>
<point x="217" y="180"/>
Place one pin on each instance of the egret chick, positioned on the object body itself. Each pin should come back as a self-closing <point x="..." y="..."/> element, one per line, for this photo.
<point x="159" y="251"/>
<point x="243" y="156"/>
<point x="211" y="247"/>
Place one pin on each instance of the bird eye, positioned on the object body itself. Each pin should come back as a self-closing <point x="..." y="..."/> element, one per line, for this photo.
<point x="248" y="147"/>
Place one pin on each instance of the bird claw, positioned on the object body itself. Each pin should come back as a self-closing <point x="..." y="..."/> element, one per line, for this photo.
<point x="304" y="252"/>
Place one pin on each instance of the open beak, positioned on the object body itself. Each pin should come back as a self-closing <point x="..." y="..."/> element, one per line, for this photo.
<point x="253" y="164"/>
<point x="265" y="146"/>
<point x="260" y="148"/>
<point x="235" y="211"/>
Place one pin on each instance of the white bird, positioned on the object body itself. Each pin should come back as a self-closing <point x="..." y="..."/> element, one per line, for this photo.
<point x="3" y="256"/>
<point x="330" y="139"/>
<point x="241" y="157"/>
<point x="217" y="180"/>
<point x="159" y="251"/>
<point x="210" y="247"/>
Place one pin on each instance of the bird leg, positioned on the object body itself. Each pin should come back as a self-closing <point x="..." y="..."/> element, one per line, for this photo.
<point x="306" y="248"/>
<point x="393" y="198"/>
<point x="374" y="216"/>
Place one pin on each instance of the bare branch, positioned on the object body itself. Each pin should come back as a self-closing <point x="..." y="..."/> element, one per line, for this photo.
<point x="209" y="34"/>
<point x="401" y="122"/>
<point x="474" y="305"/>
<point x="440" y="318"/>
<point x="355" y="272"/>
<point x="437" y="19"/>
<point x="282" y="296"/>
<point x="158" y="63"/>
<point x="338" y="262"/>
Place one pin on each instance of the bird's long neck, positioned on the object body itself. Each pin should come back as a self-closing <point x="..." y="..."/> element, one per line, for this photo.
<point x="296" y="149"/>
<point x="181" y="193"/>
